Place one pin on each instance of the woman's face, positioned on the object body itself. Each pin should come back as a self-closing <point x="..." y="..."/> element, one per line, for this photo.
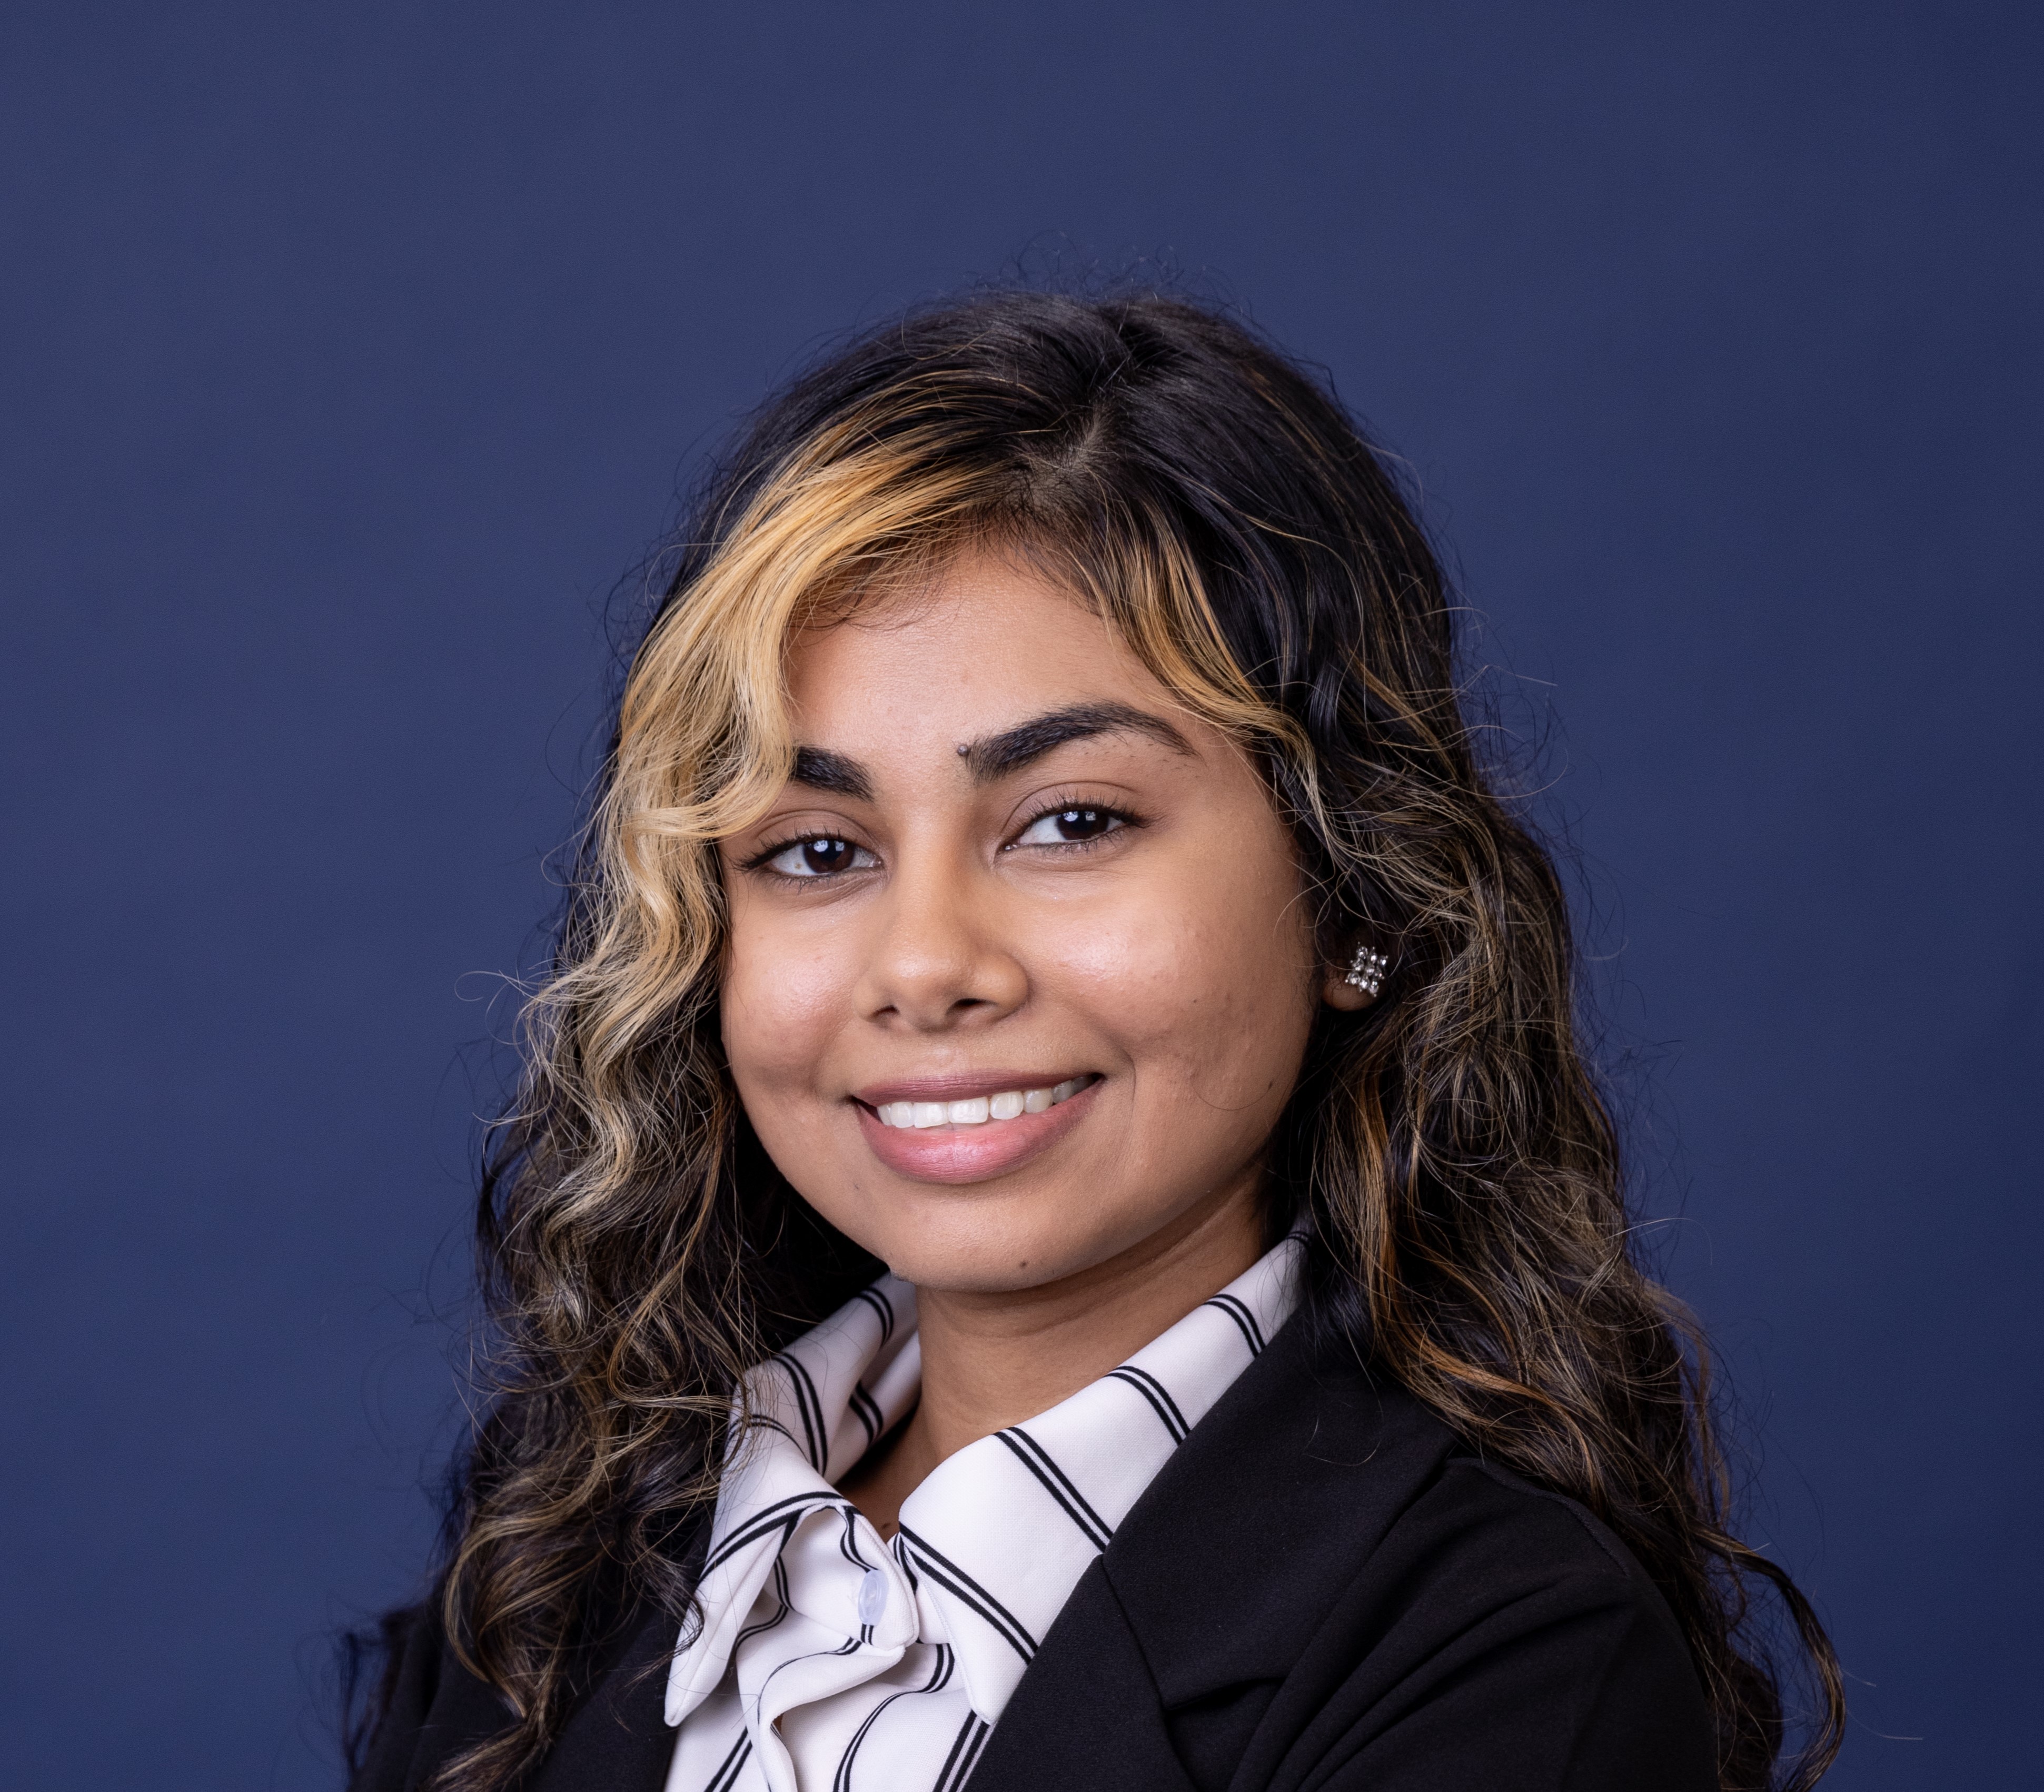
<point x="1020" y="977"/>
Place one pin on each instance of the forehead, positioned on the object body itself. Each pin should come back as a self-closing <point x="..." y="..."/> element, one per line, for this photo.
<point x="982" y="644"/>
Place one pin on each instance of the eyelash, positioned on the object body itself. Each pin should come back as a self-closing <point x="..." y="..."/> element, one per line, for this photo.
<point x="762" y="860"/>
<point x="761" y="863"/>
<point x="1057" y="804"/>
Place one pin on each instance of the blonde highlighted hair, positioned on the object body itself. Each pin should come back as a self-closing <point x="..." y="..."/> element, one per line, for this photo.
<point x="1445" y="1152"/>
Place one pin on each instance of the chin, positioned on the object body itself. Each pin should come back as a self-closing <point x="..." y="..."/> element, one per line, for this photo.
<point x="967" y="1254"/>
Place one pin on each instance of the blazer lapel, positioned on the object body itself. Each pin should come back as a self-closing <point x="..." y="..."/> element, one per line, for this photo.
<point x="1220" y="1573"/>
<point x="1086" y="1713"/>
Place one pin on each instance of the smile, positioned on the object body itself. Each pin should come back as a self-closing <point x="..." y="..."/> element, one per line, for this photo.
<point x="980" y="1111"/>
<point x="979" y="1131"/>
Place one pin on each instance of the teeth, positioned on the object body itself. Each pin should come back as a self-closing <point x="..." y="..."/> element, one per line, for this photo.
<point x="1009" y="1105"/>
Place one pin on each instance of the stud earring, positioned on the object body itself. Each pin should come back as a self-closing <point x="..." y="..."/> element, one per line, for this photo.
<point x="1366" y="970"/>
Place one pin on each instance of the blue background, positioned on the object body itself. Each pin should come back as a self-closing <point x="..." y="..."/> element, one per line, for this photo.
<point x="352" y="354"/>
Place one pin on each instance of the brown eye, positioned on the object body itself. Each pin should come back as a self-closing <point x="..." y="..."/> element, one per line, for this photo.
<point x="820" y="856"/>
<point x="1070" y="827"/>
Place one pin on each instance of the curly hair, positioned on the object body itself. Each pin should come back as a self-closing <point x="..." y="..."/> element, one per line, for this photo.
<point x="1446" y="1152"/>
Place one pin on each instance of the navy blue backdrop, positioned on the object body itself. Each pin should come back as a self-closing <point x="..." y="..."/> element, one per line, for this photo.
<point x="352" y="354"/>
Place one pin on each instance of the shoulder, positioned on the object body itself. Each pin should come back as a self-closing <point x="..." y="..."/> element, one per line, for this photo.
<point x="1473" y="1522"/>
<point x="1500" y="1624"/>
<point x="434" y="1708"/>
<point x="422" y="1686"/>
<point x="1315" y="1470"/>
<point x="1371" y="1592"/>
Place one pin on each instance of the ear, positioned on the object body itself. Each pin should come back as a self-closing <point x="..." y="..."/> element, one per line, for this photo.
<point x="1336" y="992"/>
<point x="1353" y="986"/>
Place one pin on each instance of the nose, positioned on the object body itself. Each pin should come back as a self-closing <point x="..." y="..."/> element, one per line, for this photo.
<point x="938" y="958"/>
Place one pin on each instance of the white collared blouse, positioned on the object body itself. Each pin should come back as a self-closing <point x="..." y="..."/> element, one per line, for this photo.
<point x="829" y="1661"/>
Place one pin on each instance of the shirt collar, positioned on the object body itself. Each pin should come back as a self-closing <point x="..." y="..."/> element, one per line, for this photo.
<point x="993" y="1540"/>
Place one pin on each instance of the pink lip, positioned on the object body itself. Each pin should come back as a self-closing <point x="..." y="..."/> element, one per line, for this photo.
<point x="966" y="1154"/>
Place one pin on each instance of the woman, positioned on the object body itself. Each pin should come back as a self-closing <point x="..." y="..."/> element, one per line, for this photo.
<point x="1057" y="1232"/>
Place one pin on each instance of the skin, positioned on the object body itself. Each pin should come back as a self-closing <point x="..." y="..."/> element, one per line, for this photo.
<point x="954" y="936"/>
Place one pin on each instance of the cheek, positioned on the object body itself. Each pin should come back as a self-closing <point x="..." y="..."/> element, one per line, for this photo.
<point x="781" y="1003"/>
<point x="1206" y="985"/>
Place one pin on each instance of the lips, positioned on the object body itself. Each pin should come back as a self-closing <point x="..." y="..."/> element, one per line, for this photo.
<point x="967" y="1130"/>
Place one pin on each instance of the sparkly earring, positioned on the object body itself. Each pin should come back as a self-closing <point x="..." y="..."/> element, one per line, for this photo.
<point x="1366" y="970"/>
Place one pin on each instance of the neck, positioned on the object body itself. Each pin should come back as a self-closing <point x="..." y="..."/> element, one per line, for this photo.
<point x="993" y="1359"/>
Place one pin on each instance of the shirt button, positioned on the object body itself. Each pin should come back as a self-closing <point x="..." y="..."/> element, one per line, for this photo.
<point x="873" y="1596"/>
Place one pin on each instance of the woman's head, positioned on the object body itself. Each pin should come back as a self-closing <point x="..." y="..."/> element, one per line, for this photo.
<point x="1019" y="973"/>
<point x="943" y="547"/>
<point x="1054" y="694"/>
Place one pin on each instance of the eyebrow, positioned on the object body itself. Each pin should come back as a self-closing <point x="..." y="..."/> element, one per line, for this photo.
<point x="838" y="773"/>
<point x="997" y="756"/>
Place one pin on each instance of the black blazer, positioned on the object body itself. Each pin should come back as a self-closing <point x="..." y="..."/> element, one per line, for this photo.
<point x="1323" y="1590"/>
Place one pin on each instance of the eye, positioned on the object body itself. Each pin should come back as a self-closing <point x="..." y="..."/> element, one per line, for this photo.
<point x="1071" y="826"/>
<point x="818" y="855"/>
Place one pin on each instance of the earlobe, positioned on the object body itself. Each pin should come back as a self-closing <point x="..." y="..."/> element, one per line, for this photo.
<point x="1359" y="986"/>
